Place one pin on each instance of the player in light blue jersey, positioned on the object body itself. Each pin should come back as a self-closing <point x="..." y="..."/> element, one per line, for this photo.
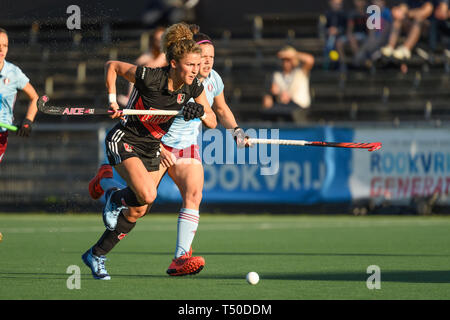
<point x="180" y="153"/>
<point x="181" y="158"/>
<point x="183" y="134"/>
<point x="13" y="79"/>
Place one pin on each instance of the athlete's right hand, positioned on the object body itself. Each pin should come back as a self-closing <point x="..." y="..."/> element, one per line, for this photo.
<point x="167" y="158"/>
<point x="115" y="107"/>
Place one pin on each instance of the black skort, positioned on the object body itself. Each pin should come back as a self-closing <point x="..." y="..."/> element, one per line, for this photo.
<point x="122" y="144"/>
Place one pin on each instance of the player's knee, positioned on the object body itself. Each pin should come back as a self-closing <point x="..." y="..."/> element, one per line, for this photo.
<point x="147" y="196"/>
<point x="194" y="197"/>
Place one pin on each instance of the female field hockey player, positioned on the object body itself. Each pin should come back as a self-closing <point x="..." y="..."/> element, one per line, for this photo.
<point x="13" y="79"/>
<point x="180" y="154"/>
<point x="132" y="146"/>
<point x="187" y="171"/>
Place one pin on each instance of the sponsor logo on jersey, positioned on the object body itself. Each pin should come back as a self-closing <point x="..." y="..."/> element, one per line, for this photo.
<point x="121" y="236"/>
<point x="6" y="81"/>
<point x="180" y="98"/>
<point x="210" y="87"/>
<point x="127" y="147"/>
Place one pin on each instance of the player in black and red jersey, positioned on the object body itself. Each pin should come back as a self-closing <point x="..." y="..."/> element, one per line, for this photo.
<point x="132" y="146"/>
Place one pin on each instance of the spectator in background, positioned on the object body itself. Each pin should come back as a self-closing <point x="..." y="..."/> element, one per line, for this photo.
<point x="377" y="38"/>
<point x="336" y="26"/>
<point x="412" y="14"/>
<point x="154" y="58"/>
<point x="356" y="31"/>
<point x="444" y="30"/>
<point x="441" y="10"/>
<point x="440" y="25"/>
<point x="289" y="88"/>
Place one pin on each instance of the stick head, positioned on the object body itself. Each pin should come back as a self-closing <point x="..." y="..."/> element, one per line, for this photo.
<point x="41" y="103"/>
<point x="42" y="107"/>
<point x="376" y="146"/>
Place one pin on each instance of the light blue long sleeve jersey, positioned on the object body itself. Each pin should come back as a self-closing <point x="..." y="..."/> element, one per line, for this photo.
<point x="12" y="79"/>
<point x="183" y="134"/>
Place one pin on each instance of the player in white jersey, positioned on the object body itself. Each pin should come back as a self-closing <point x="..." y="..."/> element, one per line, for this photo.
<point x="13" y="79"/>
<point x="180" y="156"/>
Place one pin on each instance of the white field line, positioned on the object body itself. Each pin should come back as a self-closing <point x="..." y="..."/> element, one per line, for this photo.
<point x="239" y="225"/>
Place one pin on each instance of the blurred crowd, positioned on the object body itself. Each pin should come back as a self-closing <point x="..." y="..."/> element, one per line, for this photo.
<point x="356" y="38"/>
<point x="369" y="33"/>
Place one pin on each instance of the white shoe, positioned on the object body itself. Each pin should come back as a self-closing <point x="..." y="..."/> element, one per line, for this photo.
<point x="402" y="53"/>
<point x="387" y="51"/>
<point x="111" y="211"/>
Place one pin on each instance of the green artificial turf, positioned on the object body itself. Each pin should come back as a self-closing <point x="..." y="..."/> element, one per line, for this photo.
<point x="296" y="256"/>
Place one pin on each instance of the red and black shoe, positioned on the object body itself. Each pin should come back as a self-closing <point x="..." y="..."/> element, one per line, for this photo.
<point x="95" y="189"/>
<point x="186" y="264"/>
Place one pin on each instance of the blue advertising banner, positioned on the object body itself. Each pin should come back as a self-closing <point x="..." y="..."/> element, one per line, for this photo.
<point x="272" y="173"/>
<point x="413" y="162"/>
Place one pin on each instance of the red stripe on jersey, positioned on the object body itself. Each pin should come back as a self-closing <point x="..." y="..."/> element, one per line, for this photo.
<point x="151" y="122"/>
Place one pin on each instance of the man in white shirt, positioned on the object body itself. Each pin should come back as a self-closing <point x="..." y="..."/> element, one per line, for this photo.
<point x="289" y="88"/>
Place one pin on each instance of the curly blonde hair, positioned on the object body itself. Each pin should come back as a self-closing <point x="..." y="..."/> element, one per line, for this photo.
<point x="177" y="41"/>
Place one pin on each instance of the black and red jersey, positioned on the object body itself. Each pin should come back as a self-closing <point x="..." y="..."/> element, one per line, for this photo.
<point x="151" y="92"/>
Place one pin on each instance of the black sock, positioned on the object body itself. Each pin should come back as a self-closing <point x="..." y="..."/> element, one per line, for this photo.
<point x="109" y="239"/>
<point x="125" y="196"/>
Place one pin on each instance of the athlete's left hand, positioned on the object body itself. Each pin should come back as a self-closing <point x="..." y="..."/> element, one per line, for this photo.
<point x="193" y="110"/>
<point x="25" y="128"/>
<point x="241" y="138"/>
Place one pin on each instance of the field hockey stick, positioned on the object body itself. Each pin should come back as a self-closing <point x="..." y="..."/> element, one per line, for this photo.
<point x="88" y="111"/>
<point x="8" y="126"/>
<point x="371" y="146"/>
